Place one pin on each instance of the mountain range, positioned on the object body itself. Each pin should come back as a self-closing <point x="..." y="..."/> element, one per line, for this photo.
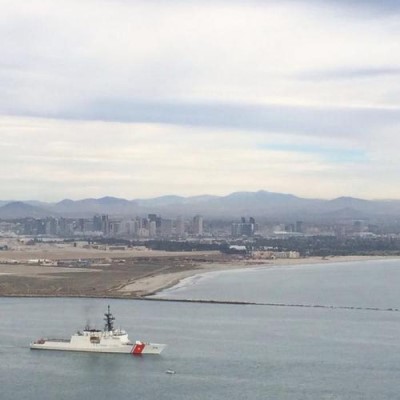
<point x="260" y="204"/>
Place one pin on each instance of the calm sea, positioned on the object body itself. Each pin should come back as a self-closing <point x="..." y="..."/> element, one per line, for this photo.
<point x="221" y="351"/>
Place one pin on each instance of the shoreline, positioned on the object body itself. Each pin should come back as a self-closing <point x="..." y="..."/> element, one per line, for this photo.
<point x="140" y="284"/>
<point x="153" y="285"/>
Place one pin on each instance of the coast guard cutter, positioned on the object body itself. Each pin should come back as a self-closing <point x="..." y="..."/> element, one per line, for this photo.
<point x="108" y="340"/>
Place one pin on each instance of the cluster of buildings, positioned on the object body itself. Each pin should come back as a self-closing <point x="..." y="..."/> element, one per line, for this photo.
<point x="156" y="226"/>
<point x="153" y="226"/>
<point x="244" y="228"/>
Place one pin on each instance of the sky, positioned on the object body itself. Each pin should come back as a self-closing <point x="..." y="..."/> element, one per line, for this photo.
<point x="143" y="98"/>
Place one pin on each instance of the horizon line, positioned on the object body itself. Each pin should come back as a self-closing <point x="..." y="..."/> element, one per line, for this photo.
<point x="8" y="201"/>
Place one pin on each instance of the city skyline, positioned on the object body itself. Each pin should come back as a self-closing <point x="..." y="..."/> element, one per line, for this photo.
<point x="142" y="99"/>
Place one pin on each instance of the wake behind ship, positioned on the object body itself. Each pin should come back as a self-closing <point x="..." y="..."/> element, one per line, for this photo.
<point x="108" y="340"/>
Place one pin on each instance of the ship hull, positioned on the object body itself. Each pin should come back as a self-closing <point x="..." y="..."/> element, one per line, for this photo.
<point x="134" y="349"/>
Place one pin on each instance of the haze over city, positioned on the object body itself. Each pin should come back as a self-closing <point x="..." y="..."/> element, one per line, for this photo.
<point x="147" y="98"/>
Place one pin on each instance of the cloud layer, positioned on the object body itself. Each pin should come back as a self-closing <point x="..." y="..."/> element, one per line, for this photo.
<point x="140" y="98"/>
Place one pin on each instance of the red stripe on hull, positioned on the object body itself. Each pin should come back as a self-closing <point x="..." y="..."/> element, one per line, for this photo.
<point x="138" y="349"/>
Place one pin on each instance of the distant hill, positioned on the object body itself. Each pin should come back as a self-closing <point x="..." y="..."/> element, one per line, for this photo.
<point x="18" y="209"/>
<point x="260" y="204"/>
<point x="104" y="205"/>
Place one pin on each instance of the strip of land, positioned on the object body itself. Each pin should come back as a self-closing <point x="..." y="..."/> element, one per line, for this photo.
<point x="68" y="271"/>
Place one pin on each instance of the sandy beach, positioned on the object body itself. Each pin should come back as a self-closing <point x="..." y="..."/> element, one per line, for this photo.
<point x="155" y="283"/>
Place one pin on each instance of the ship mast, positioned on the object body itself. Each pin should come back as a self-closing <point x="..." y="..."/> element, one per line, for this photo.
<point x="108" y="317"/>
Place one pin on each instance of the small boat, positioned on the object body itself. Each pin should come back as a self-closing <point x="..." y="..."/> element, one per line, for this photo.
<point x="108" y="340"/>
<point x="170" y="371"/>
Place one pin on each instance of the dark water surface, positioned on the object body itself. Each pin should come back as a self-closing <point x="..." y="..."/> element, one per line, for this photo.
<point x="218" y="351"/>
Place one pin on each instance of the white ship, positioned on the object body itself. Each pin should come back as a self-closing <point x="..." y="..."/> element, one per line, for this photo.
<point x="109" y="340"/>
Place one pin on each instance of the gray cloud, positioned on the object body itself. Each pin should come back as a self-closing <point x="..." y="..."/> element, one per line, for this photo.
<point x="371" y="6"/>
<point x="382" y="5"/>
<point x="350" y="73"/>
<point x="311" y="121"/>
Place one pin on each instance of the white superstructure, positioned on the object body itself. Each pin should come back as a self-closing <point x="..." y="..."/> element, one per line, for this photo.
<point x="109" y="340"/>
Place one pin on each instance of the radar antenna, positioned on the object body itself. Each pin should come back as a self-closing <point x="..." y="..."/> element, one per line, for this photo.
<point x="108" y="317"/>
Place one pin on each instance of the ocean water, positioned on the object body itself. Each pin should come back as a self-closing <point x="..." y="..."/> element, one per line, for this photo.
<point x="364" y="284"/>
<point x="219" y="351"/>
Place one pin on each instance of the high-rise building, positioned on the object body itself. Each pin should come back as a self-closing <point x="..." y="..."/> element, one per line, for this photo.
<point x="105" y="224"/>
<point x="152" y="217"/>
<point x="244" y="228"/>
<point x="51" y="226"/>
<point x="198" y="225"/>
<point x="236" y="230"/>
<point x="180" y="226"/>
<point x="128" y="227"/>
<point x="152" y="229"/>
<point x="299" y="226"/>
<point x="115" y="227"/>
<point x="97" y="223"/>
<point x="166" y="227"/>
<point x="80" y="225"/>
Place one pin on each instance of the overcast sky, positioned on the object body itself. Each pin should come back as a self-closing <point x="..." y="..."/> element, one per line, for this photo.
<point x="144" y="98"/>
